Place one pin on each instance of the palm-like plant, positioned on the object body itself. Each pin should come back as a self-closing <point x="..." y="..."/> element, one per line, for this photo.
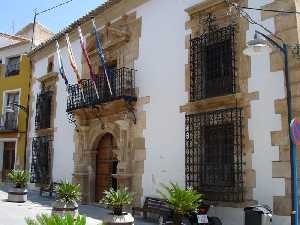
<point x="56" y="220"/>
<point x="117" y="199"/>
<point x="183" y="201"/>
<point x="68" y="192"/>
<point x="19" y="178"/>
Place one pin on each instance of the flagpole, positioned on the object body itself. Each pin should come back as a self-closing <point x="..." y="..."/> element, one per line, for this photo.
<point x="83" y="46"/>
<point x="101" y="55"/>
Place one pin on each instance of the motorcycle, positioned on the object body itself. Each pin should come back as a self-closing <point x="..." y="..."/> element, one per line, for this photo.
<point x="200" y="217"/>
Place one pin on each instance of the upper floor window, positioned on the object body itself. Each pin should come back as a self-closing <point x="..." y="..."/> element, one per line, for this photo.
<point x="43" y="110"/>
<point x="11" y="112"/>
<point x="13" y="66"/>
<point x="212" y="63"/>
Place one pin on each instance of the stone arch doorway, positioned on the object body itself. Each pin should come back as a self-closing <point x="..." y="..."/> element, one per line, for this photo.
<point x="106" y="166"/>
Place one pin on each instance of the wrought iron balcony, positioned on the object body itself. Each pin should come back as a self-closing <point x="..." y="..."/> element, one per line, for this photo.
<point x="83" y="95"/>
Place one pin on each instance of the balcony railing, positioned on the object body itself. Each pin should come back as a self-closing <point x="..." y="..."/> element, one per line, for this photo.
<point x="122" y="82"/>
<point x="9" y="125"/>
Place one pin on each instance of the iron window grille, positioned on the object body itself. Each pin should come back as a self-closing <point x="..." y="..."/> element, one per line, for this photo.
<point x="13" y="66"/>
<point x="213" y="63"/>
<point x="43" y="110"/>
<point x="122" y="82"/>
<point x="214" y="154"/>
<point x="41" y="160"/>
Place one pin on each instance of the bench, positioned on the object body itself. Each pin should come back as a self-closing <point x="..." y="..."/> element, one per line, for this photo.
<point x="50" y="188"/>
<point x="155" y="206"/>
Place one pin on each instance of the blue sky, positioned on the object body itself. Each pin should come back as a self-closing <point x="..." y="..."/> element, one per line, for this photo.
<point x="20" y="13"/>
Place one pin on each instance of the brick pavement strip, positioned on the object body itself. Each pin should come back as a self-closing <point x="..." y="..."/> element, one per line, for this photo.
<point x="15" y="213"/>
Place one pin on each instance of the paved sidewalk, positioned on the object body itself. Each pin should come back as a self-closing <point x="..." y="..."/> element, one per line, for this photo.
<point x="15" y="213"/>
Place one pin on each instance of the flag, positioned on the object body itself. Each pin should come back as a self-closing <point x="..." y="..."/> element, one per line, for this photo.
<point x="61" y="67"/>
<point x="101" y="55"/>
<point x="87" y="59"/>
<point x="73" y="64"/>
<point x="72" y="59"/>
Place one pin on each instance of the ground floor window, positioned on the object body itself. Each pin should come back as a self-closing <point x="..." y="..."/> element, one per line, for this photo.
<point x="8" y="159"/>
<point x="41" y="160"/>
<point x="214" y="162"/>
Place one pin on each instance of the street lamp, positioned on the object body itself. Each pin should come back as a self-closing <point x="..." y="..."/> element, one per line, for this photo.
<point x="260" y="46"/>
<point x="11" y="108"/>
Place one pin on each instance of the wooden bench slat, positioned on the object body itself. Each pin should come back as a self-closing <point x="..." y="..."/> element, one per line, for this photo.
<point x="155" y="206"/>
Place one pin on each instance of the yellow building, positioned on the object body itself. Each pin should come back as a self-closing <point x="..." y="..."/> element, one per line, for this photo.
<point x="15" y="77"/>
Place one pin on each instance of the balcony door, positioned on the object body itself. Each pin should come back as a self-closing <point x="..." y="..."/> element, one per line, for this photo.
<point x="8" y="159"/>
<point x="11" y="116"/>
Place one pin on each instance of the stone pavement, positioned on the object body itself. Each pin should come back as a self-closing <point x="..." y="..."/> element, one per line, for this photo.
<point x="14" y="213"/>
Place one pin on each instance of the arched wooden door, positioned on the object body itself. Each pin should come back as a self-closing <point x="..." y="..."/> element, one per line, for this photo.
<point x="105" y="166"/>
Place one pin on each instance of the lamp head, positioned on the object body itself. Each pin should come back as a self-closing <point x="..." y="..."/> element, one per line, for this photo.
<point x="257" y="46"/>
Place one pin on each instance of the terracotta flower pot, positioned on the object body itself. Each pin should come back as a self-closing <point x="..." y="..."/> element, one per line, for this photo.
<point x="18" y="195"/>
<point x="61" y="208"/>
<point x="123" y="219"/>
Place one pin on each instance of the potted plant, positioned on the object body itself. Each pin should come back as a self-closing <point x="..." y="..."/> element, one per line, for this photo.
<point x="117" y="200"/>
<point x="18" y="193"/>
<point x="67" y="196"/>
<point x="56" y="220"/>
<point x="182" y="201"/>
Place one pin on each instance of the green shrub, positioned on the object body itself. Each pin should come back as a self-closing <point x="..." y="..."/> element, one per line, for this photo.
<point x="56" y="220"/>
<point x="19" y="178"/>
<point x="183" y="201"/>
<point x="116" y="200"/>
<point x="68" y="192"/>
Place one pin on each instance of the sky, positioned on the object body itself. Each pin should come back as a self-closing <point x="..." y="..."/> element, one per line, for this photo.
<point x="15" y="14"/>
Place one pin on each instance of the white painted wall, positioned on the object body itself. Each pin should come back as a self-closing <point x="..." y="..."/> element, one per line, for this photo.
<point x="161" y="76"/>
<point x="264" y="120"/>
<point x="63" y="143"/>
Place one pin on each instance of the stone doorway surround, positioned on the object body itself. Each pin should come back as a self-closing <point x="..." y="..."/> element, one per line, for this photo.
<point x="125" y="121"/>
<point x="92" y="125"/>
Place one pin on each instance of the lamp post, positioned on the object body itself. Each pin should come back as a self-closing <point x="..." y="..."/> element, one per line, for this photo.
<point x="259" y="46"/>
<point x="11" y="108"/>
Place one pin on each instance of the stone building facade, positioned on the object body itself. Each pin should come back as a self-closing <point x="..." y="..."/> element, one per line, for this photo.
<point x="187" y="106"/>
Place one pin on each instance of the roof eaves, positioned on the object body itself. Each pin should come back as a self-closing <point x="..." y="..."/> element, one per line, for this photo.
<point x="78" y="22"/>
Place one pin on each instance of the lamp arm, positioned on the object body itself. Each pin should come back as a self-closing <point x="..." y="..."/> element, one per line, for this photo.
<point x="274" y="43"/>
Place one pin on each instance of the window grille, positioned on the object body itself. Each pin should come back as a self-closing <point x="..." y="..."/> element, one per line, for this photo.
<point x="213" y="63"/>
<point x="214" y="160"/>
<point x="41" y="160"/>
<point x="43" y="110"/>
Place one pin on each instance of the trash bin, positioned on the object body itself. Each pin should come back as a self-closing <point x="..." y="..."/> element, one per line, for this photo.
<point x="258" y="215"/>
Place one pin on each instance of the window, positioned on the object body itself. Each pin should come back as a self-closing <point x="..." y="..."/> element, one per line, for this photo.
<point x="214" y="164"/>
<point x="41" y="160"/>
<point x="43" y="110"/>
<point x="11" y="112"/>
<point x="13" y="66"/>
<point x="50" y="64"/>
<point x="212" y="62"/>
